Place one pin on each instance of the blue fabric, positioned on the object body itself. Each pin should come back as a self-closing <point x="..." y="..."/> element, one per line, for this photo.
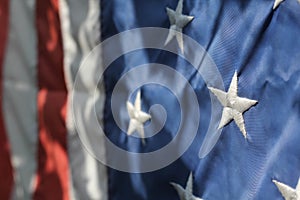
<point x="263" y="46"/>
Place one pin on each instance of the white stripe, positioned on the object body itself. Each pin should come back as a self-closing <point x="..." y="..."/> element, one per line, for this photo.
<point x="20" y="93"/>
<point x="81" y="33"/>
<point x="70" y="49"/>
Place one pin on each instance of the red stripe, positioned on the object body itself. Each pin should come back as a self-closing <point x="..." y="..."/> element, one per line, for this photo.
<point x="52" y="175"/>
<point x="6" y="170"/>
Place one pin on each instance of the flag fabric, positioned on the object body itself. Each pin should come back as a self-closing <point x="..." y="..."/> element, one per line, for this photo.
<point x="46" y="158"/>
<point x="231" y="121"/>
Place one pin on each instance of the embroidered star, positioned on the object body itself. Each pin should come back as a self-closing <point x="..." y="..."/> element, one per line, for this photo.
<point x="187" y="193"/>
<point x="137" y="117"/>
<point x="178" y="21"/>
<point x="276" y="3"/>
<point x="234" y="106"/>
<point x="287" y="192"/>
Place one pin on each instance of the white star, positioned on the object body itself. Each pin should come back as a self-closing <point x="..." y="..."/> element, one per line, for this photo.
<point x="137" y="117"/>
<point x="187" y="193"/>
<point x="276" y="3"/>
<point x="287" y="192"/>
<point x="178" y="21"/>
<point x="234" y="106"/>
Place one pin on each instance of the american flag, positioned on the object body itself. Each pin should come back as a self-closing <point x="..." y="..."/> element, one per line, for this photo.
<point x="147" y="100"/>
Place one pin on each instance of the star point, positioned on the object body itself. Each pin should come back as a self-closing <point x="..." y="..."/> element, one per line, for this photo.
<point x="137" y="117"/>
<point x="187" y="192"/>
<point x="178" y="21"/>
<point x="234" y="106"/>
<point x="277" y="3"/>
<point x="288" y="192"/>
